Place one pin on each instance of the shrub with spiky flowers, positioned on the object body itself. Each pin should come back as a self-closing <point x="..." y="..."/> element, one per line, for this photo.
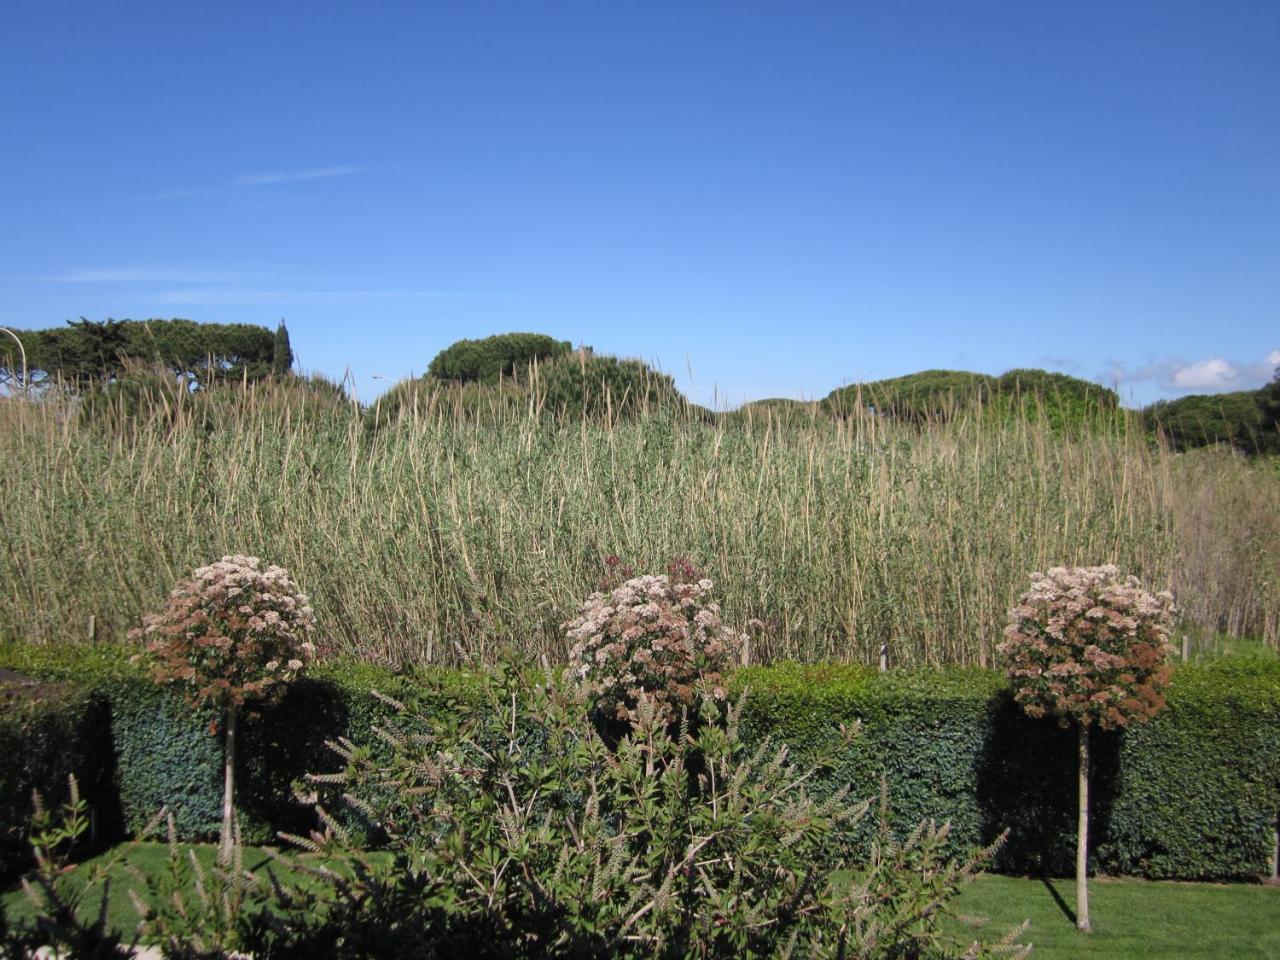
<point x="1088" y="646"/>
<point x="655" y="636"/>
<point x="235" y="635"/>
<point x="515" y="832"/>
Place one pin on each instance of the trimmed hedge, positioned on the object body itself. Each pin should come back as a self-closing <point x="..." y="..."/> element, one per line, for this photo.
<point x="48" y="732"/>
<point x="164" y="754"/>
<point x="1194" y="794"/>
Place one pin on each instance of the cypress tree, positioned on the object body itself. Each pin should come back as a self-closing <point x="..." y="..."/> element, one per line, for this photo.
<point x="282" y="354"/>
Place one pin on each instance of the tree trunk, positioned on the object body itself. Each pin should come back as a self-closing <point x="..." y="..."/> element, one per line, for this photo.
<point x="229" y="785"/>
<point x="1082" y="834"/>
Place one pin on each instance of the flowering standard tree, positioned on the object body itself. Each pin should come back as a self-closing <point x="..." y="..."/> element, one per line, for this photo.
<point x="234" y="637"/>
<point x="1089" y="647"/>
<point x="653" y="637"/>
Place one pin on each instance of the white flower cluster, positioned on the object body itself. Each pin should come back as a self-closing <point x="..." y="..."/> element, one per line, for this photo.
<point x="236" y="631"/>
<point x="650" y="637"/>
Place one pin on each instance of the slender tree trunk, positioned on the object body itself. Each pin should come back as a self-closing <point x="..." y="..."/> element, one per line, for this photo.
<point x="229" y="784"/>
<point x="1082" y="834"/>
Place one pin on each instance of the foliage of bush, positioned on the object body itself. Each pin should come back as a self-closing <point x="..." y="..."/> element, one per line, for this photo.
<point x="235" y="634"/>
<point x="653" y="638"/>
<point x="84" y="353"/>
<point x="426" y="399"/>
<point x="163" y="754"/>
<point x="1236" y="419"/>
<point x="502" y="355"/>
<point x="49" y="732"/>
<point x="69" y="905"/>
<point x="233" y="637"/>
<point x="1268" y="400"/>
<point x="139" y="394"/>
<point x="516" y="831"/>
<point x="1090" y="647"/>
<point x="934" y="396"/>
<point x="927" y="395"/>
<point x="584" y="384"/>
<point x="1192" y="794"/>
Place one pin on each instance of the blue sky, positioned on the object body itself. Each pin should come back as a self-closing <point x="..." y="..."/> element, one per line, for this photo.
<point x="764" y="199"/>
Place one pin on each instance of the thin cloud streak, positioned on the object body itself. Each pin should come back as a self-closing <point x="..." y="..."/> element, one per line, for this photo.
<point x="246" y="181"/>
<point x="296" y="176"/>
<point x="234" y="297"/>
<point x="171" y="275"/>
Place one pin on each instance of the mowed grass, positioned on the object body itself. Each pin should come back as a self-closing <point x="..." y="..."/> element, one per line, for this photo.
<point x="1138" y="919"/>
<point x="122" y="875"/>
<point x="1132" y="919"/>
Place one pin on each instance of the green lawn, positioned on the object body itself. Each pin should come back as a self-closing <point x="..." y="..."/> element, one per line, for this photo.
<point x="151" y="859"/>
<point x="1131" y="918"/>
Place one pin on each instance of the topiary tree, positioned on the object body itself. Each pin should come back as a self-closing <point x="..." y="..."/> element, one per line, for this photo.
<point x="652" y="637"/>
<point x="1089" y="647"/>
<point x="233" y="637"/>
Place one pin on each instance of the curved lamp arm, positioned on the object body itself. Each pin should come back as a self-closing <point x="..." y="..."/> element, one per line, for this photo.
<point x="22" y="350"/>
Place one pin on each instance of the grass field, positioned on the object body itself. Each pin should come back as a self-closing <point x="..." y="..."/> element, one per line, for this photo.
<point x="1133" y="919"/>
<point x="451" y="538"/>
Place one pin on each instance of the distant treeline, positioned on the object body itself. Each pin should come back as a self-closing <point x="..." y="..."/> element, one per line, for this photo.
<point x="86" y="353"/>
<point x="515" y="372"/>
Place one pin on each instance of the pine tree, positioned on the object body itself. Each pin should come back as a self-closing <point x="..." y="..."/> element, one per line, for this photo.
<point x="282" y="354"/>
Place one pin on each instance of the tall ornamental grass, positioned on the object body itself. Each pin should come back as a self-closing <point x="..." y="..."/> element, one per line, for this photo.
<point x="447" y="536"/>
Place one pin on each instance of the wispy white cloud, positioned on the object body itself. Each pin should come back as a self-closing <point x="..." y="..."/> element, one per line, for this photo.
<point x="1211" y="374"/>
<point x="217" y="284"/>
<point x="271" y="178"/>
<point x="1208" y="375"/>
<point x="296" y="176"/>
<point x="167" y="274"/>
<point x="244" y="296"/>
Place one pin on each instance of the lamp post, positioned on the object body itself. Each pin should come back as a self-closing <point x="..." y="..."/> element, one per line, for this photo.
<point x="23" y="351"/>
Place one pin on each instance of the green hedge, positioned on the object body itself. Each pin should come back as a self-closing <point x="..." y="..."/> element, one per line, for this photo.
<point x="162" y="753"/>
<point x="1192" y="795"/>
<point x="49" y="732"/>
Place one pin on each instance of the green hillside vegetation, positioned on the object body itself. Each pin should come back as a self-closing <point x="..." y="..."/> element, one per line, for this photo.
<point x="504" y="355"/>
<point x="566" y="386"/>
<point x="937" y="396"/>
<point x="147" y="396"/>
<point x="931" y="395"/>
<point x="1235" y="419"/>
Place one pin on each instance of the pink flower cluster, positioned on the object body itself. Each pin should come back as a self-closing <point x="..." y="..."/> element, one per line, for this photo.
<point x="650" y="637"/>
<point x="236" y="632"/>
<point x="1088" y="645"/>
